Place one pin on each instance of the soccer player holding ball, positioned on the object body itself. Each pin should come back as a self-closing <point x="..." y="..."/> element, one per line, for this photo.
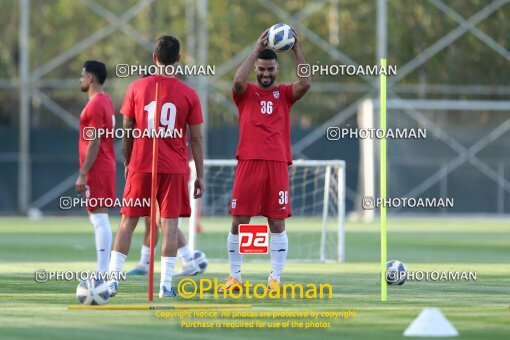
<point x="180" y="107"/>
<point x="261" y="184"/>
<point x="97" y="156"/>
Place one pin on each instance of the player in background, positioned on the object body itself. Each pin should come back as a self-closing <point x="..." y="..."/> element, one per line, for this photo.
<point x="261" y="184"/>
<point x="180" y="107"/>
<point x="97" y="156"/>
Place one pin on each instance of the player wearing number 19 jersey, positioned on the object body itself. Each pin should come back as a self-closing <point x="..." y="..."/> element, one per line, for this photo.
<point x="261" y="184"/>
<point x="179" y="108"/>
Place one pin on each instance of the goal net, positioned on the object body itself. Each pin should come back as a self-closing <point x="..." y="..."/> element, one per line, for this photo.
<point x="315" y="230"/>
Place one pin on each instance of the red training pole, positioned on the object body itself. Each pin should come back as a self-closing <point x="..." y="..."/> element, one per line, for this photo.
<point x="154" y="180"/>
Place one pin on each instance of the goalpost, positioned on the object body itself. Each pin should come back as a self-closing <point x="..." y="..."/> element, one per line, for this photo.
<point x="316" y="229"/>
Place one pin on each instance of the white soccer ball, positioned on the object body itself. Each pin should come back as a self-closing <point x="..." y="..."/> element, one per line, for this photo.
<point x="280" y="37"/>
<point x="395" y="272"/>
<point x="200" y="260"/>
<point x="35" y="214"/>
<point x="93" y="292"/>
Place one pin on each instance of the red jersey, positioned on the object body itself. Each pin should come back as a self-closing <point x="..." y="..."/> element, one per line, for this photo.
<point x="179" y="105"/>
<point x="99" y="113"/>
<point x="264" y="123"/>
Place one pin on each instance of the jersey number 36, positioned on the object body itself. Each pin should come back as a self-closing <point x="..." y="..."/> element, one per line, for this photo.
<point x="266" y="107"/>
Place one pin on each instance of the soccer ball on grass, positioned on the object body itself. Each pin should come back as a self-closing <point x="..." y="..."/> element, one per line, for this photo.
<point x="93" y="292"/>
<point x="200" y="260"/>
<point x="395" y="272"/>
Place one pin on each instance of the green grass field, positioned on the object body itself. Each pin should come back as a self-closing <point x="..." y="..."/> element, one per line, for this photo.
<point x="479" y="310"/>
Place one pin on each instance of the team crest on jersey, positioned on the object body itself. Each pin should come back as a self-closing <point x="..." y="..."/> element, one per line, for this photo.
<point x="234" y="203"/>
<point x="276" y="94"/>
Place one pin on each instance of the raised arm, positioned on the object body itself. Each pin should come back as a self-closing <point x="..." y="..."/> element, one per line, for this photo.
<point x="302" y="85"/>
<point x="244" y="70"/>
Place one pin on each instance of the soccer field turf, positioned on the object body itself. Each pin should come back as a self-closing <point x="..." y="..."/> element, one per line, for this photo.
<point x="478" y="309"/>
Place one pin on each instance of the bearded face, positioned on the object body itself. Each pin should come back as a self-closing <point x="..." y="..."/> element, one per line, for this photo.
<point x="266" y="70"/>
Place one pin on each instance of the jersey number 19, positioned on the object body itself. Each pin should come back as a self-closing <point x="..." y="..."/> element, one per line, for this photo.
<point x="168" y="115"/>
